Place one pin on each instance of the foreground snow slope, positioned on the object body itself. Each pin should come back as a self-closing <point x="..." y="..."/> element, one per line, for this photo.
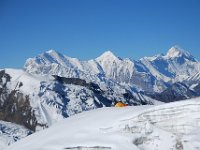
<point x="173" y="126"/>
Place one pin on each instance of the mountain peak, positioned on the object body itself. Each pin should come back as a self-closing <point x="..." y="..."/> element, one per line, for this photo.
<point x="107" y="55"/>
<point x="51" y="51"/>
<point x="176" y="51"/>
<point x="49" y="57"/>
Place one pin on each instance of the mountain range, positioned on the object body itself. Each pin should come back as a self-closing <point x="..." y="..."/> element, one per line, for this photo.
<point x="52" y="86"/>
<point x="149" y="75"/>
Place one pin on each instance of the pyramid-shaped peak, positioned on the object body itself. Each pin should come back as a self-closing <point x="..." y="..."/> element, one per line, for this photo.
<point x="107" y="55"/>
<point x="177" y="51"/>
<point x="52" y="51"/>
<point x="51" y="56"/>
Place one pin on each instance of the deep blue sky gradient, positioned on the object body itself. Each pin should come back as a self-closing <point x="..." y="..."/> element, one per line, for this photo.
<point x="86" y="28"/>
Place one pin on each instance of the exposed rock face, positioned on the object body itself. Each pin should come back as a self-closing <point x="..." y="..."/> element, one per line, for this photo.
<point x="4" y="78"/>
<point x="15" y="106"/>
<point x="75" y="81"/>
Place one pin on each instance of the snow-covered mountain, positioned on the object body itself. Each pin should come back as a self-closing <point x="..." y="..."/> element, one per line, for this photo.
<point x="177" y="65"/>
<point x="173" y="126"/>
<point x="105" y="70"/>
<point x="149" y="74"/>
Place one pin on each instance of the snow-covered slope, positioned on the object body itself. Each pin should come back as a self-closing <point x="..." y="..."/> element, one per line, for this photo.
<point x="10" y="133"/>
<point x="173" y="126"/>
<point x="39" y="101"/>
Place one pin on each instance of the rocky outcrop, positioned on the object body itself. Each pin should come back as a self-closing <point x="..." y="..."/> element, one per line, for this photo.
<point x="75" y="81"/>
<point x="15" y="106"/>
<point x="178" y="91"/>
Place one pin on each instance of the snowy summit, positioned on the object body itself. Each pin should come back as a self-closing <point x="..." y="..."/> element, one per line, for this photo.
<point x="177" y="51"/>
<point x="108" y="55"/>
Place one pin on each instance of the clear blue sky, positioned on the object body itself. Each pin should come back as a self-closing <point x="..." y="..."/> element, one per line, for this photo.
<point x="86" y="28"/>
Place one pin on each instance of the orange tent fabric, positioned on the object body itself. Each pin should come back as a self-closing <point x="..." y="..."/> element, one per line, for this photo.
<point x="120" y="104"/>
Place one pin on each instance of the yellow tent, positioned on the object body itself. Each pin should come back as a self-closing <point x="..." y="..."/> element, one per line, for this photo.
<point x="120" y="104"/>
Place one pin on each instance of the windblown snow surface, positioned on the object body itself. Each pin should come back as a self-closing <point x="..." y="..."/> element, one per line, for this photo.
<point x="172" y="126"/>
